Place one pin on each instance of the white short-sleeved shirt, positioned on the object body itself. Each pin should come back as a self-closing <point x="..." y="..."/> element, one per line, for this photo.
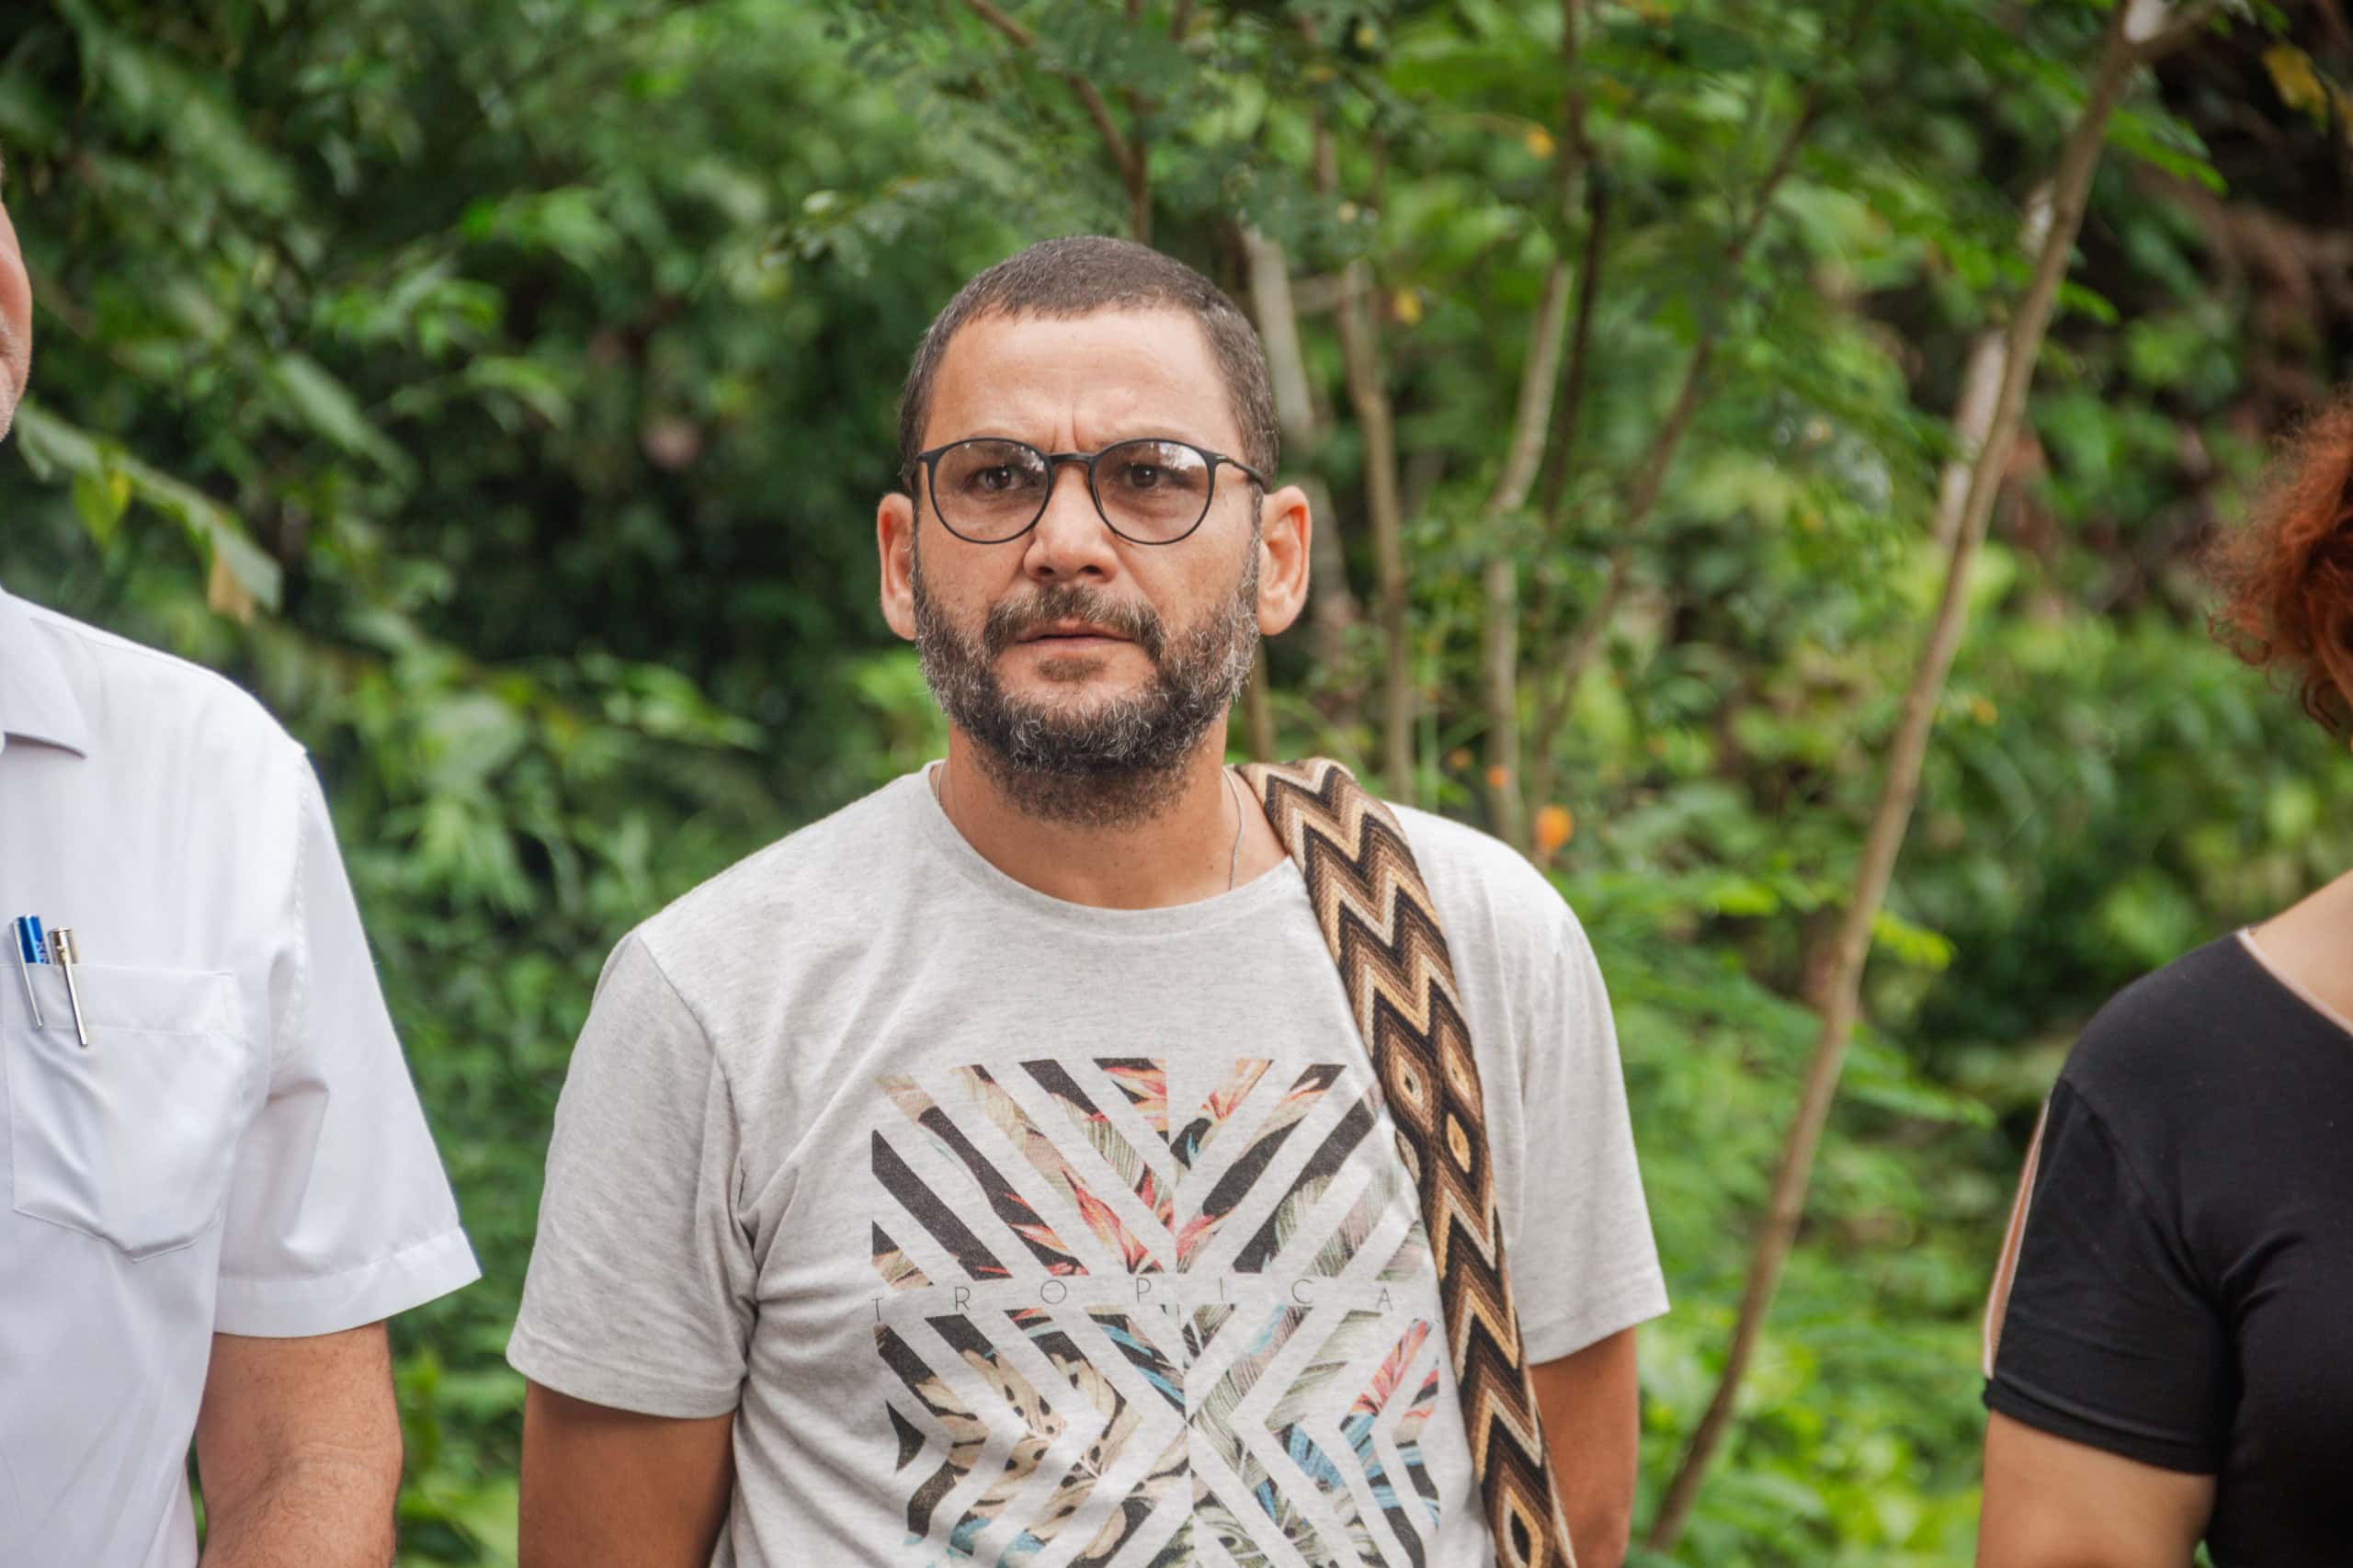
<point x="1016" y="1230"/>
<point x="239" y="1149"/>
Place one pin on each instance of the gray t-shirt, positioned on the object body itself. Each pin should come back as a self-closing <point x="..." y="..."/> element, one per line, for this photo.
<point x="1019" y="1232"/>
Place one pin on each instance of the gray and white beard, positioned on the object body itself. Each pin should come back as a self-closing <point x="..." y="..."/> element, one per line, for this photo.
<point x="1108" y="764"/>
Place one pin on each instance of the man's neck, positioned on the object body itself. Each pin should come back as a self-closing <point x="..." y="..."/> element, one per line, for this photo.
<point x="2311" y="944"/>
<point x="1181" y="852"/>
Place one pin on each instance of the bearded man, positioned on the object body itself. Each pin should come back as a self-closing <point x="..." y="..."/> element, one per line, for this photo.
<point x="994" y="1171"/>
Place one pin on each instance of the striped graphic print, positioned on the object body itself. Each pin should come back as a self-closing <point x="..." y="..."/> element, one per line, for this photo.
<point x="1040" y="1425"/>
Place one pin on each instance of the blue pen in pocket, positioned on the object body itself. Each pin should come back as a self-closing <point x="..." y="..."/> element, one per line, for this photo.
<point x="30" y="950"/>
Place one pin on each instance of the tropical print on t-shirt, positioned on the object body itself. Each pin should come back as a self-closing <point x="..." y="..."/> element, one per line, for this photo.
<point x="1128" y="1327"/>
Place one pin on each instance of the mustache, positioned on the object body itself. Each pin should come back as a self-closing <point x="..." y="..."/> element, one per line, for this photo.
<point x="1008" y="619"/>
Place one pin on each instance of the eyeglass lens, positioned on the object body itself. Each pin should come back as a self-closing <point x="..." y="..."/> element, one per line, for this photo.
<point x="1153" y="492"/>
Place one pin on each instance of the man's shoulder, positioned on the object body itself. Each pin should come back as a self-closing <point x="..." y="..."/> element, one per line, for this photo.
<point x="142" y="697"/>
<point x="1484" y="889"/>
<point x="828" y="877"/>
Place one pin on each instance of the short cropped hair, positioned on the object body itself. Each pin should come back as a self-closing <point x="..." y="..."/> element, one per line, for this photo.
<point x="1062" y="279"/>
<point x="2286" y="574"/>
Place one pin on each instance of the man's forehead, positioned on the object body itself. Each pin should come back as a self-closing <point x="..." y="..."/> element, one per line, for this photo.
<point x="1108" y="364"/>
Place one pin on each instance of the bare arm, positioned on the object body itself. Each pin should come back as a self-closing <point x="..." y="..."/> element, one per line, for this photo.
<point x="606" y="1488"/>
<point x="299" y="1449"/>
<point x="1589" y="1404"/>
<point x="2051" y="1502"/>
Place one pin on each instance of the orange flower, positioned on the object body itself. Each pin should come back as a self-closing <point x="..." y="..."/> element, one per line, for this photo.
<point x="1554" y="827"/>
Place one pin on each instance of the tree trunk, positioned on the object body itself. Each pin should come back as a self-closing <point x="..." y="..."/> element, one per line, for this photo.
<point x="1541" y="388"/>
<point x="2119" y="57"/>
<point x="1368" y="392"/>
<point x="1506" y="807"/>
<point x="1981" y="384"/>
<point x="1564" y="664"/>
<point x="1258" y="711"/>
<point x="1368" y="395"/>
<point x="1332" y="606"/>
<point x="1972" y="412"/>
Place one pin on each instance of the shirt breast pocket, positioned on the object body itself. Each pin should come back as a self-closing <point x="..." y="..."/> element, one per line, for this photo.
<point x="131" y="1138"/>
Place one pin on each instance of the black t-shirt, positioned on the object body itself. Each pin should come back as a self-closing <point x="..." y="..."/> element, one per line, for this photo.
<point x="2183" y="1287"/>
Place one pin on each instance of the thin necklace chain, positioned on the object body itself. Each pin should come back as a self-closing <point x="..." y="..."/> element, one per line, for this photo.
<point x="1234" y="856"/>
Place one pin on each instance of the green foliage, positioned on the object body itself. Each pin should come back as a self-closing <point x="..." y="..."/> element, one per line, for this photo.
<point x="503" y="391"/>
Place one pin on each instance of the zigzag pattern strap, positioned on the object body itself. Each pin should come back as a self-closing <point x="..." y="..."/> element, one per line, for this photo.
<point x="1383" y="933"/>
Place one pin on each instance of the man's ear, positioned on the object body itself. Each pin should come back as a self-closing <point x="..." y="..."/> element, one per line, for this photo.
<point x="894" y="542"/>
<point x="1286" y="527"/>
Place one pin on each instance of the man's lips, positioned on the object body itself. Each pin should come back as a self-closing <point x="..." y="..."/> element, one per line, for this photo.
<point x="1070" y="631"/>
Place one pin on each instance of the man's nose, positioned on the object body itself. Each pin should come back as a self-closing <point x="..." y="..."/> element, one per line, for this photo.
<point x="1070" y="539"/>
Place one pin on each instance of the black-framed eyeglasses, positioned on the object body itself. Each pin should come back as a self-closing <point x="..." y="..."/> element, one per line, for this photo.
<point x="1153" y="490"/>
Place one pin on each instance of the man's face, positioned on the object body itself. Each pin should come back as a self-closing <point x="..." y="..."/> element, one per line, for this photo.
<point x="16" y="323"/>
<point x="1087" y="667"/>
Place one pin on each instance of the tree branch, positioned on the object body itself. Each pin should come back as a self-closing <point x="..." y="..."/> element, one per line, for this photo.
<point x="1642" y="496"/>
<point x="2332" y="16"/>
<point x="1138" y="180"/>
<point x="1525" y="448"/>
<point x="1258" y="709"/>
<point x="1332" y="606"/>
<point x="1138" y="172"/>
<point x="1543" y="391"/>
<point x="1650" y="479"/>
<point x="1572" y="119"/>
<point x="1123" y="157"/>
<point x="1369" y="394"/>
<point x="1506" y="808"/>
<point x="1568" y="409"/>
<point x="1576" y="137"/>
<point x="2185" y="24"/>
<point x="1552" y="698"/>
<point x="1783" y="163"/>
<point x="1785" y="1207"/>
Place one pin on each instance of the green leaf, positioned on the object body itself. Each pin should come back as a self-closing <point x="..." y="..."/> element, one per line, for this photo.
<point x="100" y="499"/>
<point x="53" y="445"/>
<point x="328" y="405"/>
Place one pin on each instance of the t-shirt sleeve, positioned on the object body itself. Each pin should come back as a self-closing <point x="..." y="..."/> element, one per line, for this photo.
<point x="2105" y="1335"/>
<point x="338" y="1213"/>
<point x="1582" y="1261"/>
<point x="640" y="1291"/>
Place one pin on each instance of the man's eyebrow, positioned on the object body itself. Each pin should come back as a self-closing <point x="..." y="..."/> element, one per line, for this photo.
<point x="1142" y="432"/>
<point x="993" y="431"/>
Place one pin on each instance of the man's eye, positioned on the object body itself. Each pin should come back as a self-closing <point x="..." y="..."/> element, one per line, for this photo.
<point x="997" y="478"/>
<point x="1142" y="476"/>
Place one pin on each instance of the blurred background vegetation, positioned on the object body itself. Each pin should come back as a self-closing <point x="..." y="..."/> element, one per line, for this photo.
<point x="502" y="389"/>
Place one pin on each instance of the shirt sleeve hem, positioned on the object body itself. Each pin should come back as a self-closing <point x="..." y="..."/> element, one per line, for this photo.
<point x="584" y="1378"/>
<point x="2005" y="1396"/>
<point x="285" y="1309"/>
<point x="1637" y="1299"/>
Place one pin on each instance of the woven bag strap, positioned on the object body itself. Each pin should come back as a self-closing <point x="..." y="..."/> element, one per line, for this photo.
<point x="1383" y="933"/>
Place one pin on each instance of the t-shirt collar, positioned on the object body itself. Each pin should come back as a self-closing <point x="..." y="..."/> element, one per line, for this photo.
<point x="37" y="703"/>
<point x="1261" y="891"/>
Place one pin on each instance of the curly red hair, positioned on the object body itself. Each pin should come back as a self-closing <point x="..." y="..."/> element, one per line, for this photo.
<point x="2287" y="575"/>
